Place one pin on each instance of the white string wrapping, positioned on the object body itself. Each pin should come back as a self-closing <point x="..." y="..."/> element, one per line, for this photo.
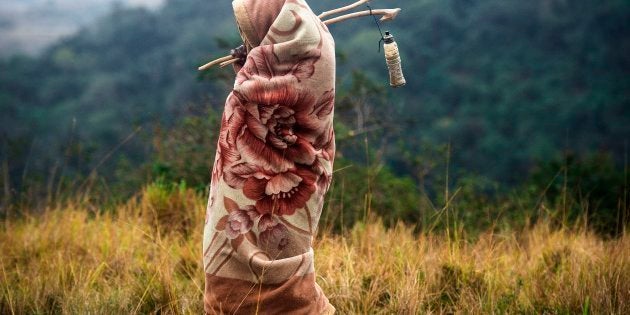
<point x="392" y="58"/>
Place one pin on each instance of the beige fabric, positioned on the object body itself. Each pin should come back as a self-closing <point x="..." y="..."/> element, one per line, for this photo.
<point x="273" y="165"/>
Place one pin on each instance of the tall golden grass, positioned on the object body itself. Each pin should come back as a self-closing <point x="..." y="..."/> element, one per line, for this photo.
<point x="145" y="257"/>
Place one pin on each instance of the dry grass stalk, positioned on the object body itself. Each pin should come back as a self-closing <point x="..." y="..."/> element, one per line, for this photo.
<point x="73" y="261"/>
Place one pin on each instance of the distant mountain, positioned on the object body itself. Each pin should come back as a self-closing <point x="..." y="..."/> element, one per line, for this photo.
<point x="27" y="26"/>
<point x="505" y="82"/>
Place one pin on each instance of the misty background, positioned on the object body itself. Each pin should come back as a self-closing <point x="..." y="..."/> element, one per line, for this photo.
<point x="504" y="98"/>
<point x="28" y="26"/>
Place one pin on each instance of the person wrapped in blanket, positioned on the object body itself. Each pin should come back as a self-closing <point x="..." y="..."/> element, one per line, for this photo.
<point x="273" y="165"/>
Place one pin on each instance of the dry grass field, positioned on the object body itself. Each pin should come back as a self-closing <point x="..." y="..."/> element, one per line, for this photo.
<point x="145" y="256"/>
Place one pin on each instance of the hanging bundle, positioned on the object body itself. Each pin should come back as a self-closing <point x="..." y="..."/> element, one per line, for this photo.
<point x="392" y="58"/>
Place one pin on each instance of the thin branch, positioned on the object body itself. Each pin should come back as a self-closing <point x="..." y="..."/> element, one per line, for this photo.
<point x="342" y="9"/>
<point x="229" y="62"/>
<point x="387" y="15"/>
<point x="215" y="62"/>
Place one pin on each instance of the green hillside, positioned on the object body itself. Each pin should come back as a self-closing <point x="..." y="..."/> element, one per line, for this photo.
<point x="508" y="84"/>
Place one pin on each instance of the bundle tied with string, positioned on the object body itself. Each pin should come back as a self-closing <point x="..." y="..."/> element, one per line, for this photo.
<point x="392" y="58"/>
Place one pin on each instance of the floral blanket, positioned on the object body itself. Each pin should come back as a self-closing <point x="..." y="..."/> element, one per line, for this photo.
<point x="273" y="165"/>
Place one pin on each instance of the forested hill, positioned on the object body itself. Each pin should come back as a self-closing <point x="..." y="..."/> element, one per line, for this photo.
<point x="506" y="82"/>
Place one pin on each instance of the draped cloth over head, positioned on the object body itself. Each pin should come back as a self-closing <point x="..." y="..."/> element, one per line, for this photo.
<point x="273" y="165"/>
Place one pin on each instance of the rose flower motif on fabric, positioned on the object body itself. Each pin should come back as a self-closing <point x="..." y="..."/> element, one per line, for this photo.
<point x="273" y="234"/>
<point x="238" y="223"/>
<point x="280" y="193"/>
<point x="279" y="127"/>
<point x="277" y="142"/>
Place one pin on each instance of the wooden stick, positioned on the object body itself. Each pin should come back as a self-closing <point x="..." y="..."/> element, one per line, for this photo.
<point x="342" y="9"/>
<point x="216" y="61"/>
<point x="387" y="15"/>
<point x="229" y="62"/>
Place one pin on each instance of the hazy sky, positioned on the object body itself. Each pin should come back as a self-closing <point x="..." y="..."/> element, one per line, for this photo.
<point x="29" y="25"/>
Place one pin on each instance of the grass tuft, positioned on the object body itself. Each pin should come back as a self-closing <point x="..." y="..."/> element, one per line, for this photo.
<point x="145" y="257"/>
